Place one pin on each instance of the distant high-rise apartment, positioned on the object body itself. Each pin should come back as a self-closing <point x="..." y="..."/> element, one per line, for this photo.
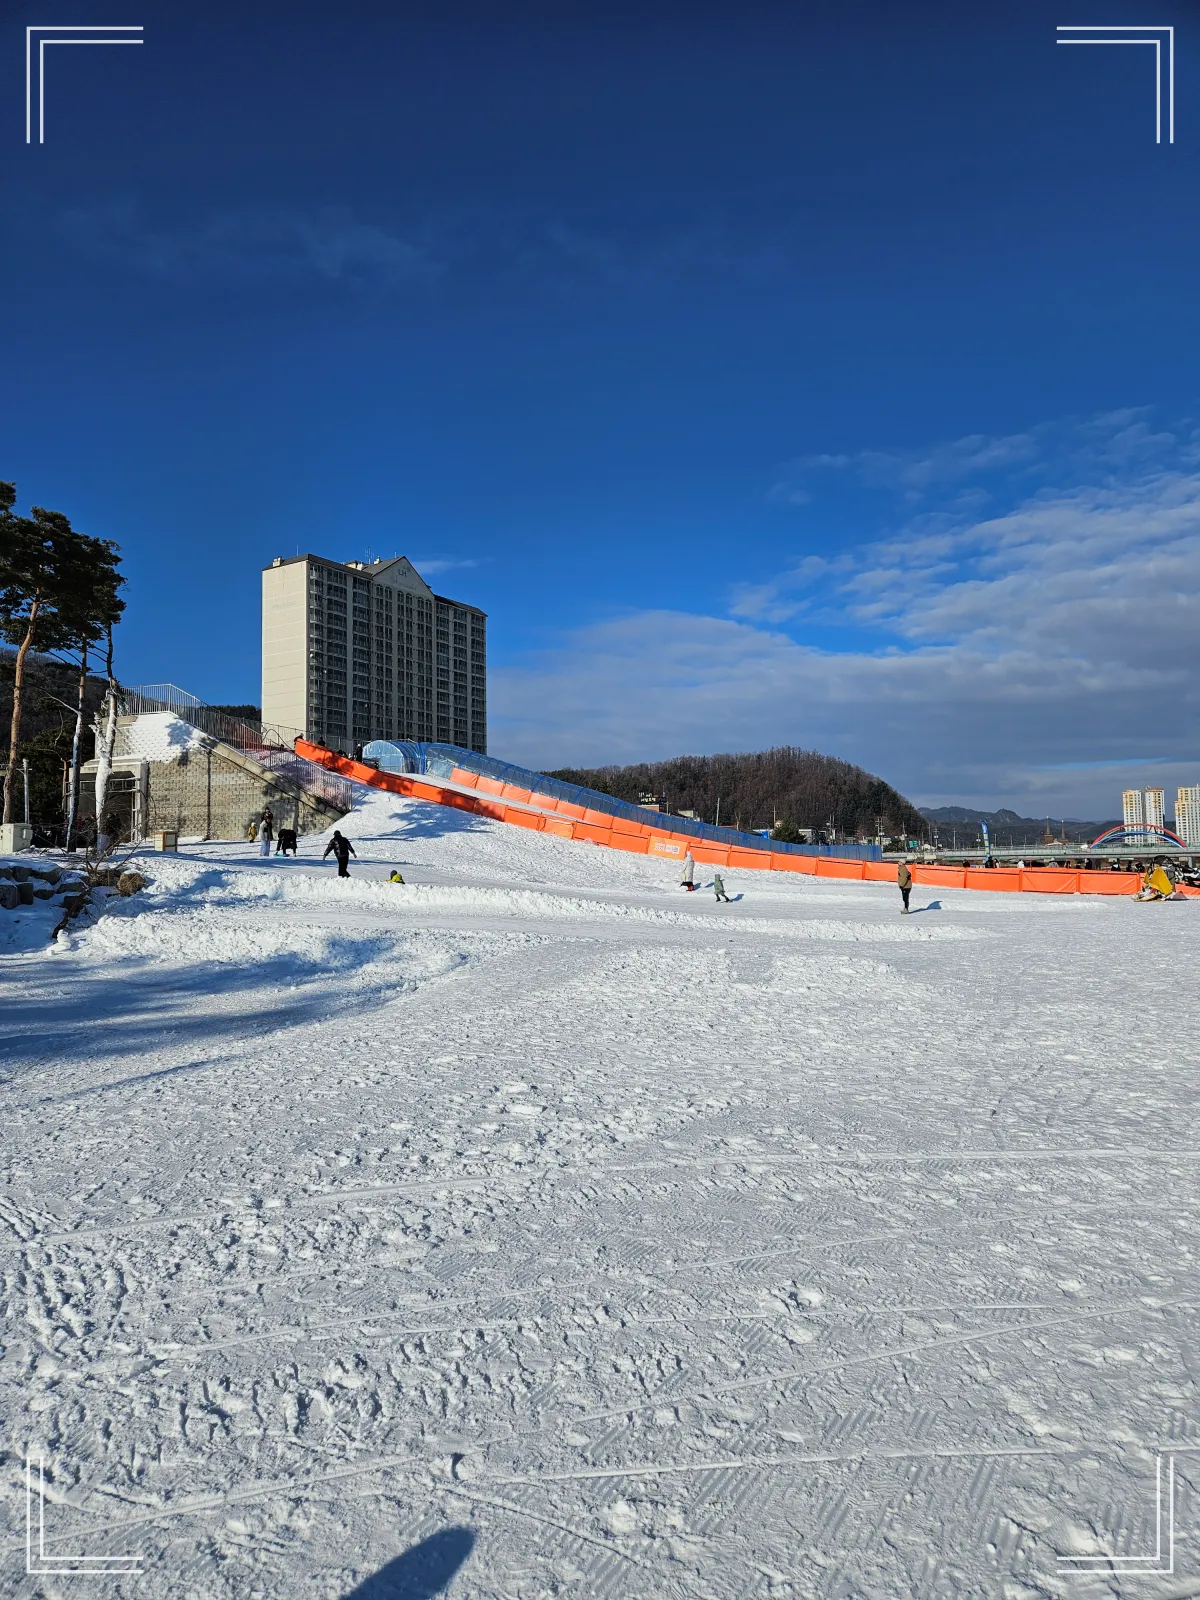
<point x="354" y="651"/>
<point x="1187" y="815"/>
<point x="1142" y="809"/>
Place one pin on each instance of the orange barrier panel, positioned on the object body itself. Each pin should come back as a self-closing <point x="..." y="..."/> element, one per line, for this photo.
<point x="740" y="859"/>
<point x="314" y="752"/>
<point x="567" y="808"/>
<point x="627" y="825"/>
<point x="999" y="878"/>
<point x="562" y="830"/>
<point x="511" y="792"/>
<point x="1045" y="880"/>
<point x="634" y="843"/>
<point x="424" y="791"/>
<point x="660" y="846"/>
<point x="832" y="867"/>
<point x="941" y="877"/>
<point x="585" y="830"/>
<point x="1109" y="882"/>
<point x="711" y="855"/>
<point x="489" y="785"/>
<point x="458" y="802"/>
<point x="790" y="863"/>
<point x="524" y="819"/>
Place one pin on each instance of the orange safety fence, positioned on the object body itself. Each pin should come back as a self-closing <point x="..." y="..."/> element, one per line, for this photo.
<point x="565" y="820"/>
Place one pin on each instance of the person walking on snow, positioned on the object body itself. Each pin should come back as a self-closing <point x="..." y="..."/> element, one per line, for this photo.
<point x="266" y="831"/>
<point x="905" y="879"/>
<point x="688" y="874"/>
<point x="343" y="849"/>
<point x="719" y="887"/>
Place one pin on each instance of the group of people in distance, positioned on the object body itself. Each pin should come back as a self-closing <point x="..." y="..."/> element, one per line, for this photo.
<point x="263" y="829"/>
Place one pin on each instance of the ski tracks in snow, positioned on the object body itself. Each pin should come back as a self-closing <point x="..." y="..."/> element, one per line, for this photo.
<point x="677" y="1256"/>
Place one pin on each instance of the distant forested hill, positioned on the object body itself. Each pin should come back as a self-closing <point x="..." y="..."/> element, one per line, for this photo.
<point x="800" y="787"/>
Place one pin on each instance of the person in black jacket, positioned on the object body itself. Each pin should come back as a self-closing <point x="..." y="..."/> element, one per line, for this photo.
<point x="343" y="849"/>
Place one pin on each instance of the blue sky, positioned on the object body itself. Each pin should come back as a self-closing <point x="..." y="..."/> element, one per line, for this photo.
<point x="769" y="373"/>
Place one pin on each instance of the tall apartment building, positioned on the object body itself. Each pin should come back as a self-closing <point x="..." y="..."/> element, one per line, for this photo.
<point x="1187" y="814"/>
<point x="1142" y="809"/>
<point x="1152" y="808"/>
<point x="354" y="651"/>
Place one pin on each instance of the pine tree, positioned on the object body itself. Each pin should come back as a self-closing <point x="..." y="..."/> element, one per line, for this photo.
<point x="57" y="589"/>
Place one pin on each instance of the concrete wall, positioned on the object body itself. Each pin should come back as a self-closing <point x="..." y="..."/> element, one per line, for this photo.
<point x="213" y="796"/>
<point x="201" y="795"/>
<point x="285" y="646"/>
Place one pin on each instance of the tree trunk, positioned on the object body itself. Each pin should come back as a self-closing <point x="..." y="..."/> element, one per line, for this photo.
<point x="14" y="735"/>
<point x="76" y="751"/>
<point x="104" y="755"/>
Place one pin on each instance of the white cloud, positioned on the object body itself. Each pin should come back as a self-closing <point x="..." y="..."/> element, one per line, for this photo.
<point x="1115" y="442"/>
<point x="253" y="246"/>
<point x="246" y="246"/>
<point x="437" y="564"/>
<point x="1038" y="659"/>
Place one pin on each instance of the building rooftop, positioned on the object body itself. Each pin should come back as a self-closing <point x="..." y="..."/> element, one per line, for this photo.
<point x="371" y="568"/>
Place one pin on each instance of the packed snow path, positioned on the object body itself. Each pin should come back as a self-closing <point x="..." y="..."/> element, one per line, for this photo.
<point x="789" y="1247"/>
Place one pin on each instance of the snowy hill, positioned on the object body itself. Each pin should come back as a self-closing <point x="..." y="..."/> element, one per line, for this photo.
<point x="588" y="1237"/>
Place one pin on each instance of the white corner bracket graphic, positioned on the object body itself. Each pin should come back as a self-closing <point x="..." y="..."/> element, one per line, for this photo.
<point x="1135" y="33"/>
<point x="96" y="33"/>
<point x="40" y="1562"/>
<point x="1160" y="1561"/>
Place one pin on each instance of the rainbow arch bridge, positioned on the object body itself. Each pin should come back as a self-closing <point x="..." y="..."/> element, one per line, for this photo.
<point x="1143" y="834"/>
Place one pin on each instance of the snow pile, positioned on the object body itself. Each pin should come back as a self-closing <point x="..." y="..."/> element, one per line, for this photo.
<point x="160" y="736"/>
<point x="186" y="915"/>
<point x="28" y="927"/>
<point x="208" y="935"/>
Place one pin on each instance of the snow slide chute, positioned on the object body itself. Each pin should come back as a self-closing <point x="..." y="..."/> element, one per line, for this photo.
<point x="447" y="776"/>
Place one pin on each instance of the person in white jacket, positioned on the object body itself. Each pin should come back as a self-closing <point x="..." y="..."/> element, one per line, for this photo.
<point x="688" y="874"/>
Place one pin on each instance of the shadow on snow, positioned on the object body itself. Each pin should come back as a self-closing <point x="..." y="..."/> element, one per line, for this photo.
<point x="420" y="1573"/>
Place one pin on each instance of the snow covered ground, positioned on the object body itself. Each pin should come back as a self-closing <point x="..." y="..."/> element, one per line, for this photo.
<point x="535" y="1229"/>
